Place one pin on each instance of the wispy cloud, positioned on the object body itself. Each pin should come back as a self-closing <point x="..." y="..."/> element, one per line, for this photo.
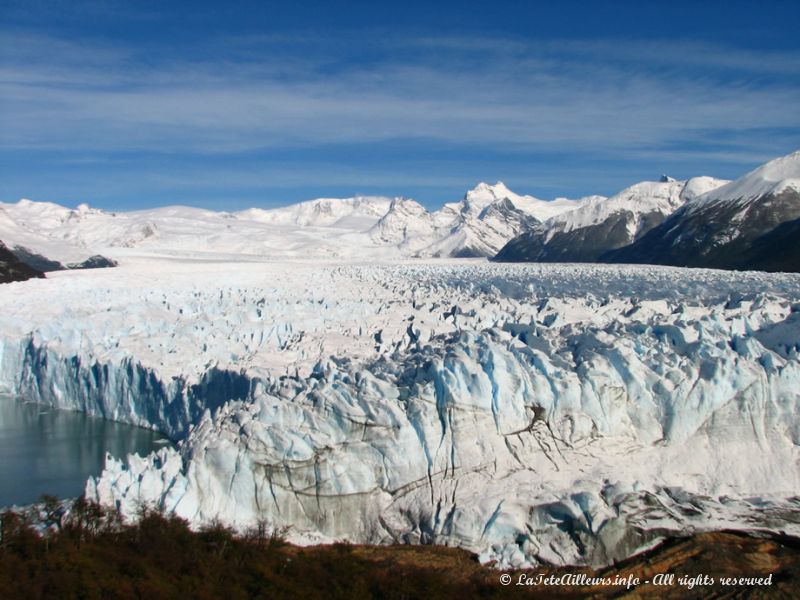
<point x="271" y="93"/>
<point x="570" y="94"/>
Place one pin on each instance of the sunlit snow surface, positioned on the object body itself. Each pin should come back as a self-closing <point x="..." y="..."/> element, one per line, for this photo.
<point x="530" y="413"/>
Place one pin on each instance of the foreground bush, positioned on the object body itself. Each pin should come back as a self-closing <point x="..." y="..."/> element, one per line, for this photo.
<point x="89" y="553"/>
<point x="92" y="554"/>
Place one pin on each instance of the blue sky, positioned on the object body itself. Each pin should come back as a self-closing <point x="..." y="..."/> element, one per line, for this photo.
<point x="229" y="105"/>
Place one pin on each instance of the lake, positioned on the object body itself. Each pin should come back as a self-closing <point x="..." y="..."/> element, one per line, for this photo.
<point x="49" y="451"/>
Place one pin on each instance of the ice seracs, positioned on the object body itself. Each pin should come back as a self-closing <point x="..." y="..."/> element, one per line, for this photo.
<point x="493" y="407"/>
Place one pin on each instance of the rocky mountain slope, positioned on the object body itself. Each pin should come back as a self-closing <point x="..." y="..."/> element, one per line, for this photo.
<point x="488" y="217"/>
<point x="13" y="269"/>
<point x="602" y="224"/>
<point x="750" y="223"/>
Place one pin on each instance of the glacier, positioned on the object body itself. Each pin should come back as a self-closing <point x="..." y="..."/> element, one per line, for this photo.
<point x="533" y="414"/>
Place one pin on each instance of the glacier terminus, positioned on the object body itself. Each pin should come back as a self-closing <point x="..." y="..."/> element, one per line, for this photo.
<point x="536" y="414"/>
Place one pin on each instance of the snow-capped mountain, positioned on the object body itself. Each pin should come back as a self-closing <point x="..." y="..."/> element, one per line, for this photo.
<point x="368" y="227"/>
<point x="475" y="234"/>
<point x="478" y="225"/>
<point x="407" y="224"/>
<point x="29" y="230"/>
<point x="324" y="228"/>
<point x="484" y="195"/>
<point x="341" y="213"/>
<point x="750" y="223"/>
<point x="600" y="224"/>
<point x="489" y="216"/>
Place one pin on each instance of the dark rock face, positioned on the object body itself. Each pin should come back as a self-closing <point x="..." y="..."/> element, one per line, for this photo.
<point x="36" y="261"/>
<point x="13" y="269"/>
<point x="586" y="244"/>
<point x="778" y="250"/>
<point x="526" y="247"/>
<point x="94" y="262"/>
<point x="761" y="234"/>
<point x="46" y="265"/>
<point x="467" y="252"/>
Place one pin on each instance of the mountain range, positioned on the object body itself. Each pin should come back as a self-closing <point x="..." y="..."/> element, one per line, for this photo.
<point x="48" y="236"/>
<point x="750" y="223"/>
<point x="599" y="225"/>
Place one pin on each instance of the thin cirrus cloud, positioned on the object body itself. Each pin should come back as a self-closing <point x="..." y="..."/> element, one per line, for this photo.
<point x="572" y="93"/>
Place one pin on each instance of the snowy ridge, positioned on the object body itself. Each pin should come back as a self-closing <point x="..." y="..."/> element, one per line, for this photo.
<point x="645" y="197"/>
<point x="602" y="225"/>
<point x="492" y="407"/>
<point x="30" y="231"/>
<point x="484" y="195"/>
<point x="770" y="178"/>
<point x="324" y="228"/>
<point x="406" y="223"/>
<point x="487" y="218"/>
<point x="750" y="223"/>
<point x="482" y="233"/>
<point x="330" y="229"/>
<point x="482" y="223"/>
<point x="344" y="213"/>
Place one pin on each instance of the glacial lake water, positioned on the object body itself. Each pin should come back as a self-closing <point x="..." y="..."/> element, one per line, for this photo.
<point x="49" y="451"/>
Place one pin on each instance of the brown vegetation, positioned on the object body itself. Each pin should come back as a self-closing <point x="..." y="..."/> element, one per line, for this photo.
<point x="92" y="554"/>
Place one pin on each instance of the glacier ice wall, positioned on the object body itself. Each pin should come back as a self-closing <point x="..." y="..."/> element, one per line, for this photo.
<point x="126" y="391"/>
<point x="533" y="415"/>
